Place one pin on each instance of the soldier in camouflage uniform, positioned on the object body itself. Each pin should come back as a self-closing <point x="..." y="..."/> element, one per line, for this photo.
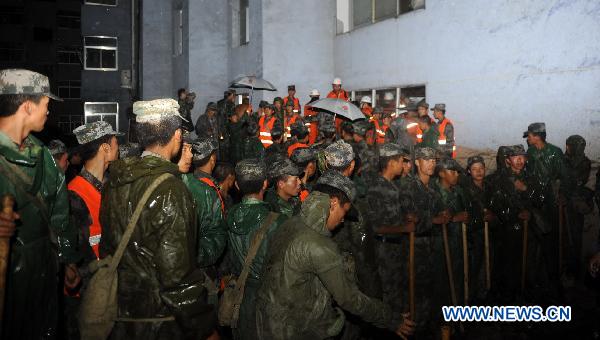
<point x="305" y="273"/>
<point x="276" y="150"/>
<point x="455" y="202"/>
<point x="389" y="221"/>
<point x="419" y="197"/>
<point x="43" y="240"/>
<point x="510" y="204"/>
<point x="186" y="104"/>
<point x="58" y="150"/>
<point x="305" y="159"/>
<point x="478" y="190"/>
<point x="129" y="150"/>
<point x="252" y="147"/>
<point x="327" y="132"/>
<point x="284" y="183"/>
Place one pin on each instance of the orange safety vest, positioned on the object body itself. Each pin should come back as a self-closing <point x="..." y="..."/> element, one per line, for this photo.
<point x="91" y="196"/>
<point x="211" y="184"/>
<point x="303" y="194"/>
<point x="377" y="136"/>
<point x="265" y="131"/>
<point x="340" y="95"/>
<point x="296" y="103"/>
<point x="313" y="127"/>
<point x="442" y="138"/>
<point x="288" y="123"/>
<point x="367" y="111"/>
<point x="295" y="146"/>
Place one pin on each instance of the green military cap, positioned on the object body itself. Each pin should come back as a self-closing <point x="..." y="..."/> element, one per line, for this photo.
<point x="283" y="166"/>
<point x="57" y="147"/>
<point x="335" y="179"/>
<point x="439" y="107"/>
<point x="339" y="154"/>
<point x="535" y="128"/>
<point x="291" y="87"/>
<point x="474" y="159"/>
<point x="250" y="169"/>
<point x="576" y="141"/>
<point x="252" y="128"/>
<point x="361" y="127"/>
<point x="203" y="147"/>
<point x="263" y="104"/>
<point x="425" y="153"/>
<point x="423" y="103"/>
<point x="92" y="131"/>
<point x="447" y="163"/>
<point x="391" y="150"/>
<point x="20" y="81"/>
<point x="327" y="126"/>
<point x="153" y="111"/>
<point x="277" y="130"/>
<point x="347" y="126"/>
<point x="129" y="150"/>
<point x="516" y="150"/>
<point x="298" y="128"/>
<point x="211" y="106"/>
<point x="277" y="99"/>
<point x="303" y="155"/>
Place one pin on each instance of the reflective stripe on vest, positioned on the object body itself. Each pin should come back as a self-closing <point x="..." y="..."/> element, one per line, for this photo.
<point x="265" y="130"/>
<point x="288" y="125"/>
<point x="211" y="184"/>
<point x="442" y="140"/>
<point x="91" y="196"/>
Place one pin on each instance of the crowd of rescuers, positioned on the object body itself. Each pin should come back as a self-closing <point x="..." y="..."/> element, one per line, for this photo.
<point x="277" y="224"/>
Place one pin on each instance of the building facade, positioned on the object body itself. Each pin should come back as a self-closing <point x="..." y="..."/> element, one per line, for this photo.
<point x="497" y="66"/>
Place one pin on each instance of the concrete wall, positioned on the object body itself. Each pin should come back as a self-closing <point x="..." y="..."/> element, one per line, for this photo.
<point x="208" y="51"/>
<point x="298" y="46"/>
<point x="156" y="51"/>
<point x="498" y="65"/>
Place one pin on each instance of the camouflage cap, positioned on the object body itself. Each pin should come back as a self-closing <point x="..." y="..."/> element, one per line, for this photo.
<point x="348" y="127"/>
<point x="20" y="81"/>
<point x="203" y="147"/>
<point x="291" y="87"/>
<point x="188" y="137"/>
<point x="281" y="167"/>
<point x="423" y="103"/>
<point x="361" y="127"/>
<point x="516" y="150"/>
<point x="153" y="111"/>
<point x="335" y="179"/>
<point x="129" y="150"/>
<point x="339" y="154"/>
<point x="277" y="130"/>
<point x="447" y="163"/>
<point x="212" y="106"/>
<point x="439" y="107"/>
<point x="251" y="128"/>
<point x="277" y="99"/>
<point x="250" y="169"/>
<point x="263" y="104"/>
<point x="303" y="155"/>
<point x="57" y="147"/>
<point x="425" y="153"/>
<point x="391" y="150"/>
<point x="473" y="160"/>
<point x="298" y="128"/>
<point x="327" y="126"/>
<point x="535" y="128"/>
<point x="92" y="131"/>
<point x="576" y="140"/>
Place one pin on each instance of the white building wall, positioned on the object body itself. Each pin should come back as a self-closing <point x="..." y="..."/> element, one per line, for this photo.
<point x="498" y="65"/>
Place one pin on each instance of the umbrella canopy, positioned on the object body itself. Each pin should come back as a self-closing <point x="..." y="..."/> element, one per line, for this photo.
<point x="339" y="107"/>
<point x="251" y="82"/>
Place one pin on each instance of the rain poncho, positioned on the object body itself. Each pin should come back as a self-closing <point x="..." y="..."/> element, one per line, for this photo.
<point x="41" y="239"/>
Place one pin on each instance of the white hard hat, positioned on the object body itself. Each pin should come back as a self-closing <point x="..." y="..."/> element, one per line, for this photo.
<point x="366" y="99"/>
<point x="314" y="93"/>
<point x="337" y="81"/>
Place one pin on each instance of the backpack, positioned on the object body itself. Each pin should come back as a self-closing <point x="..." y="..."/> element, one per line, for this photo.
<point x="233" y="294"/>
<point x="99" y="304"/>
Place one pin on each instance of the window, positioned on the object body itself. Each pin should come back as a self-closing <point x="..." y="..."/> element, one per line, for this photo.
<point x="102" y="111"/>
<point x="356" y="13"/>
<point x="68" y="123"/>
<point x="12" y="51"/>
<point x="67" y="19"/>
<point x="393" y="97"/>
<point x="68" y="55"/>
<point x="244" y="22"/>
<point x="11" y="15"/>
<point x="101" y="2"/>
<point x="42" y="34"/>
<point x="69" y="89"/>
<point x="100" y="53"/>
